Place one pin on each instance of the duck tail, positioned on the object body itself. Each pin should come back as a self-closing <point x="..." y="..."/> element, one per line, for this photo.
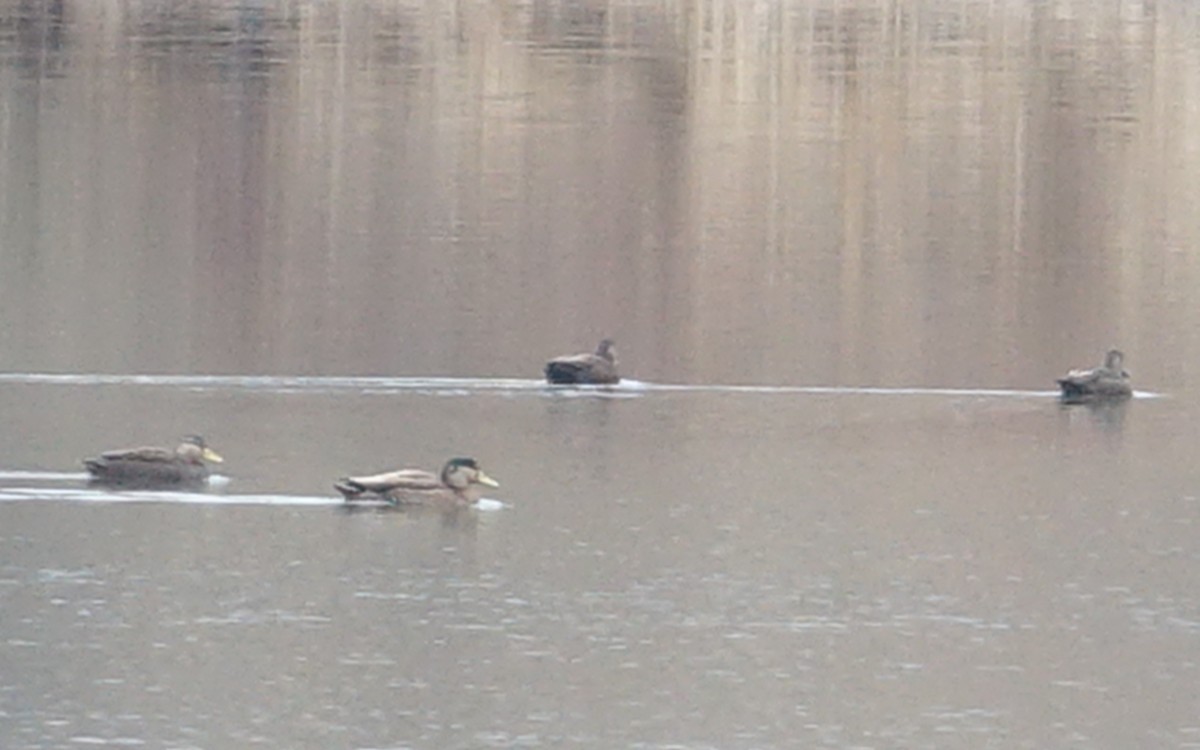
<point x="562" y="373"/>
<point x="1071" y="389"/>
<point x="95" y="466"/>
<point x="349" y="488"/>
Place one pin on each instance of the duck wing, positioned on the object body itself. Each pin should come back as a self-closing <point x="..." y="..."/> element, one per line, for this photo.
<point x="391" y="481"/>
<point x="146" y="468"/>
<point x="144" y="454"/>
<point x="1080" y="378"/>
<point x="1098" y="383"/>
<point x="581" y="368"/>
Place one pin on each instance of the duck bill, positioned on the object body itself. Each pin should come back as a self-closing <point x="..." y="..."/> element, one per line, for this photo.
<point x="485" y="479"/>
<point x="212" y="456"/>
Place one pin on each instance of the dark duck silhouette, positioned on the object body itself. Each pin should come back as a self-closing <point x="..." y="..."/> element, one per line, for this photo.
<point x="598" y="368"/>
<point x="187" y="463"/>
<point x="1108" y="382"/>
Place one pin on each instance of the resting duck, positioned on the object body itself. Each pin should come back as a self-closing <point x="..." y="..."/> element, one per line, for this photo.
<point x="1109" y="381"/>
<point x="599" y="368"/>
<point x="154" y="466"/>
<point x="458" y="485"/>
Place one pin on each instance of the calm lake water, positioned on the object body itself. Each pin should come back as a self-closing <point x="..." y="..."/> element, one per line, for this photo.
<point x="844" y="248"/>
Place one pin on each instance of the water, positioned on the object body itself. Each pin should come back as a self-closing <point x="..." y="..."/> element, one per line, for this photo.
<point x="844" y="247"/>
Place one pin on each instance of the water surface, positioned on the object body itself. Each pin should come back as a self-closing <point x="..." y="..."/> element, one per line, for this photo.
<point x="844" y="249"/>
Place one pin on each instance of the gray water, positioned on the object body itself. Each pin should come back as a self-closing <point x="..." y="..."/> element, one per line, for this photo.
<point x="844" y="247"/>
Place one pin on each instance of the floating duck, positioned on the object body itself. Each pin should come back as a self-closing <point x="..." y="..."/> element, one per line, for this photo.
<point x="151" y="466"/>
<point x="1108" y="382"/>
<point x="598" y="368"/>
<point x="458" y="485"/>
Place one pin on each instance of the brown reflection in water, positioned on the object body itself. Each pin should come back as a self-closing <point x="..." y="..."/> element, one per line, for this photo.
<point x="953" y="194"/>
<point x="959" y="194"/>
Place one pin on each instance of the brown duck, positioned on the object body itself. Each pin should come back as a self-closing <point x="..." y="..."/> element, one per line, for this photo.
<point x="152" y="466"/>
<point x="598" y="368"/>
<point x="458" y="485"/>
<point x="1108" y="382"/>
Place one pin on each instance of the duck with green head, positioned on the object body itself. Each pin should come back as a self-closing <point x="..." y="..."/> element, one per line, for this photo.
<point x="458" y="485"/>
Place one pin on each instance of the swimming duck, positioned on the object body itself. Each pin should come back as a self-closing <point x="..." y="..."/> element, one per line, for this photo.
<point x="1109" y="381"/>
<point x="154" y="466"/>
<point x="599" y="368"/>
<point x="457" y="485"/>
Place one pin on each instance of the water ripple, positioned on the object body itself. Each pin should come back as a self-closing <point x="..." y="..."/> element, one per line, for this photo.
<point x="104" y="495"/>
<point x="100" y="495"/>
<point x="465" y="386"/>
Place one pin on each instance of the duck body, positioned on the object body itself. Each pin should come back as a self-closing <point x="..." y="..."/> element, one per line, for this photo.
<point x="153" y="466"/>
<point x="598" y="368"/>
<point x="1108" y="382"/>
<point x="459" y="484"/>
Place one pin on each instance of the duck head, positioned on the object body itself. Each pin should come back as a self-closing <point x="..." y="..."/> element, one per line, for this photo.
<point x="194" y="450"/>
<point x="1114" y="362"/>
<point x="607" y="350"/>
<point x="460" y="473"/>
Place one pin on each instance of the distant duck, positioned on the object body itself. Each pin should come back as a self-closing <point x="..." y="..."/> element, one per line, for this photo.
<point x="458" y="485"/>
<point x="152" y="467"/>
<point x="1108" y="382"/>
<point x="599" y="368"/>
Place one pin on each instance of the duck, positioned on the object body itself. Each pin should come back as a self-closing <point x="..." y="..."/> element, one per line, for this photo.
<point x="1108" y="382"/>
<point x="458" y="485"/>
<point x="598" y="368"/>
<point x="187" y="463"/>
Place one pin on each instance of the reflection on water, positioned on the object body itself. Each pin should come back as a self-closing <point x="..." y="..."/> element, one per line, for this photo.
<point x="949" y="561"/>
<point x="952" y="194"/>
<point x="99" y="495"/>
<point x="846" y="247"/>
<point x="465" y="386"/>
